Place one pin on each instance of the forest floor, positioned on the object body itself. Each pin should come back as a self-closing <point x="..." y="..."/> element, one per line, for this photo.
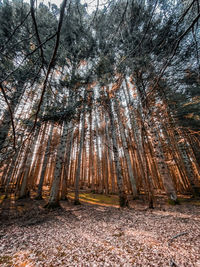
<point x="99" y="234"/>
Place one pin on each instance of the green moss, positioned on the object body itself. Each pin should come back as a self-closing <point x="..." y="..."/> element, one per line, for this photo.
<point x="196" y="192"/>
<point x="77" y="202"/>
<point x="38" y="197"/>
<point x="173" y="202"/>
<point x="6" y="260"/>
<point x="2" y="197"/>
<point x="51" y="206"/>
<point x="192" y="201"/>
<point x="123" y="202"/>
<point x="97" y="198"/>
<point x="197" y="203"/>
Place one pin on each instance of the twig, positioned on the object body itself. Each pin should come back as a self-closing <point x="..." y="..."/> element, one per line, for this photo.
<point x="95" y="12"/>
<point x="39" y="46"/>
<point x="143" y="37"/>
<point x="186" y="11"/>
<point x="18" y="26"/>
<point x="176" y="236"/>
<point x="36" y="30"/>
<point x="172" y="263"/>
<point x="121" y="19"/>
<point x="167" y="62"/>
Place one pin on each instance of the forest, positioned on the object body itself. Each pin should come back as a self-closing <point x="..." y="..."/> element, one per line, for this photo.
<point x="100" y="133"/>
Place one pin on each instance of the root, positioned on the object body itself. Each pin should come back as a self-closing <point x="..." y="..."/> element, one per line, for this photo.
<point x="39" y="197"/>
<point x="53" y="205"/>
<point x="173" y="202"/>
<point x="77" y="202"/>
<point x="123" y="201"/>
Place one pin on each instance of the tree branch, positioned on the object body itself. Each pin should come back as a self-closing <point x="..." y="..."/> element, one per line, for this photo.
<point x="173" y="53"/>
<point x="52" y="60"/>
<point x="11" y="114"/>
<point x="22" y="22"/>
<point x="36" y="30"/>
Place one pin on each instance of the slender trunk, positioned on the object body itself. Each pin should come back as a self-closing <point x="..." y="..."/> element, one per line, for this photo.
<point x="189" y="168"/>
<point x="55" y="188"/>
<point x="110" y="159"/>
<point x="126" y="152"/>
<point x="122" y="196"/>
<point x="99" y="171"/>
<point x="23" y="190"/>
<point x="6" y="121"/>
<point x="162" y="166"/>
<point x="154" y="130"/>
<point x="66" y="166"/>
<point x="77" y="178"/>
<point x="44" y="166"/>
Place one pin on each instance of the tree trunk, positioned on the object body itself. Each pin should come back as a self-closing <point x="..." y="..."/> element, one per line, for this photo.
<point x="44" y="165"/>
<point x="78" y="169"/>
<point x="126" y="152"/>
<point x="122" y="196"/>
<point x="66" y="166"/>
<point x="23" y="190"/>
<point x="54" y="194"/>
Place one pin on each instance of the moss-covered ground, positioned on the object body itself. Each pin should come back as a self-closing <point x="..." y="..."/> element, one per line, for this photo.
<point x="112" y="200"/>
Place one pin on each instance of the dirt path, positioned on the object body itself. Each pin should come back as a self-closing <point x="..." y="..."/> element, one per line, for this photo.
<point x="89" y="235"/>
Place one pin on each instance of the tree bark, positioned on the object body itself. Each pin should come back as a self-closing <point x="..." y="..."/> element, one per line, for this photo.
<point x="55" y="188"/>
<point x="77" y="178"/>
<point x="122" y="196"/>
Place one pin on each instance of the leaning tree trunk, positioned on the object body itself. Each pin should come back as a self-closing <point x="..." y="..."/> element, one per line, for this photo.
<point x="153" y="130"/>
<point x="23" y="189"/>
<point x="36" y="166"/>
<point x="162" y="166"/>
<point x="44" y="165"/>
<point x="132" y="115"/>
<point x="11" y="171"/>
<point x="6" y="121"/>
<point x="126" y="152"/>
<point x="189" y="167"/>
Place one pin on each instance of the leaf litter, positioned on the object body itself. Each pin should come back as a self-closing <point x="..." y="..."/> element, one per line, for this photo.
<point x="92" y="235"/>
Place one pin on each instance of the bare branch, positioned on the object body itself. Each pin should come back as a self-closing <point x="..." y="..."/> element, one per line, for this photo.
<point x="22" y="22"/>
<point x="173" y="53"/>
<point x="51" y="61"/>
<point x="36" y="29"/>
<point x="11" y="115"/>
<point x="176" y="236"/>
<point x="186" y="11"/>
